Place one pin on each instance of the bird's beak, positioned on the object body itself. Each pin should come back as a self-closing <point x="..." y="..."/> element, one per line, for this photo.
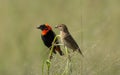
<point x="56" y="26"/>
<point x="38" y="27"/>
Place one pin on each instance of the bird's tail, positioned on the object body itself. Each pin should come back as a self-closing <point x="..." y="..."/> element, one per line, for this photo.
<point x="80" y="52"/>
<point x="57" y="48"/>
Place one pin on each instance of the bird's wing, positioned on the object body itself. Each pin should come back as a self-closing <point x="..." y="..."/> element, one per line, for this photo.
<point x="72" y="44"/>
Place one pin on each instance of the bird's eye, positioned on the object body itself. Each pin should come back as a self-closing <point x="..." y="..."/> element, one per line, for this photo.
<point x="60" y="26"/>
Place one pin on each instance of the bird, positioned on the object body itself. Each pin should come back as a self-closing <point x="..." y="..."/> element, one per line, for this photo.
<point x="47" y="36"/>
<point x="67" y="39"/>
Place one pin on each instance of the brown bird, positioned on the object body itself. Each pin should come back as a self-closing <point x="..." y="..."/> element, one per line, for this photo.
<point x="67" y="39"/>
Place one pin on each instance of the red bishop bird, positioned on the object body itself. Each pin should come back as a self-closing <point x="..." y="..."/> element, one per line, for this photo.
<point x="48" y="36"/>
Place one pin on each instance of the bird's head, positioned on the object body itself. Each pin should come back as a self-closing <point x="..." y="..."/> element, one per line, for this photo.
<point x="45" y="28"/>
<point x="62" y="27"/>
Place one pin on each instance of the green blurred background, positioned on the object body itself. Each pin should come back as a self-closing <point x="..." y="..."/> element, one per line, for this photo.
<point x="94" y="24"/>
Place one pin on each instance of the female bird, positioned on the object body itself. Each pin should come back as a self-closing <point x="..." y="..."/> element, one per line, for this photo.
<point x="67" y="39"/>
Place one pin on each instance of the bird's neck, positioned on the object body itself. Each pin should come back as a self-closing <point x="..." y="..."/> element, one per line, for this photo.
<point x="64" y="34"/>
<point x="44" y="32"/>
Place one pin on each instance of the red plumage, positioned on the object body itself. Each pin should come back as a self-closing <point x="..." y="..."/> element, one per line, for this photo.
<point x="48" y="36"/>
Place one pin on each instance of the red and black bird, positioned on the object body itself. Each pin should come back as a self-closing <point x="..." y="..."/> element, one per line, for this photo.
<point x="48" y="36"/>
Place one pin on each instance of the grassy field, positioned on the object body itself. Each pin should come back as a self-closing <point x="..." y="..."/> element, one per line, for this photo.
<point x="94" y="25"/>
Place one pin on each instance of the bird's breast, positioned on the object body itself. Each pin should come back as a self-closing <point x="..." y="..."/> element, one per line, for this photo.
<point x="62" y="36"/>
